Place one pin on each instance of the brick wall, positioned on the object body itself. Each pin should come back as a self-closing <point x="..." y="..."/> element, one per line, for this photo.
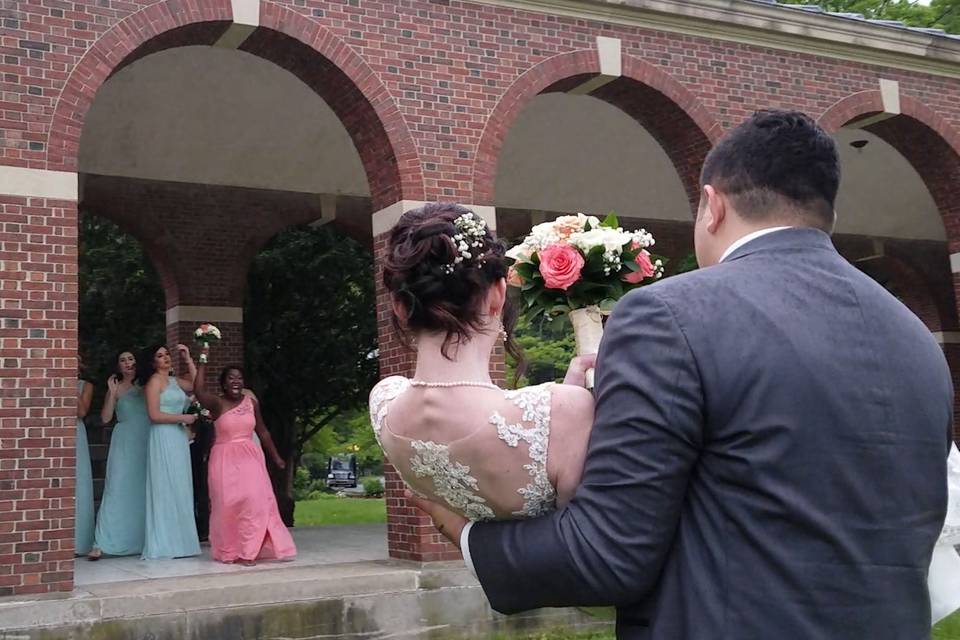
<point x="38" y="393"/>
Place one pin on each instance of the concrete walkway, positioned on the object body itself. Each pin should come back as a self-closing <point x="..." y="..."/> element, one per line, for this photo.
<point x="316" y="547"/>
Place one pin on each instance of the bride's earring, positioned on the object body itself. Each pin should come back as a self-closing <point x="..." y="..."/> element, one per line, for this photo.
<point x="503" y="332"/>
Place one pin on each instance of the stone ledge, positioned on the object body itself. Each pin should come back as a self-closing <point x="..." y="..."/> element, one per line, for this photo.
<point x="360" y="600"/>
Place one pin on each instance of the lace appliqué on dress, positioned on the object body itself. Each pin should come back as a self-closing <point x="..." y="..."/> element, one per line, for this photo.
<point x="539" y="496"/>
<point x="451" y="480"/>
<point x="380" y="397"/>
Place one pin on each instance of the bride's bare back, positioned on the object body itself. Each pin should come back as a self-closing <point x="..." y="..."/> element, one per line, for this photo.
<point x="486" y="453"/>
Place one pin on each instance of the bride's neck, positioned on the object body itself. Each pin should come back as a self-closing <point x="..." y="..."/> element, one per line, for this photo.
<point x="469" y="361"/>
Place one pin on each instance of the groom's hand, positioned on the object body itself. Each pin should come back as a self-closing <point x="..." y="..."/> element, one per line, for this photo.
<point x="447" y="522"/>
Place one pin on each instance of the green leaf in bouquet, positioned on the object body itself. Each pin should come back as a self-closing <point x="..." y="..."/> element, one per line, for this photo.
<point x="631" y="266"/>
<point x="616" y="289"/>
<point x="610" y="221"/>
<point x="559" y="308"/>
<point x="525" y="270"/>
<point x="607" y="304"/>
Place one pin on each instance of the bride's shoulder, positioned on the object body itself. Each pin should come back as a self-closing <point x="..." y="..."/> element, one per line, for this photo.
<point x="383" y="392"/>
<point x="571" y="405"/>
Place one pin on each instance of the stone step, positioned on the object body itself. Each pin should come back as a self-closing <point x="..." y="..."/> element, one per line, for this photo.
<point x="358" y="600"/>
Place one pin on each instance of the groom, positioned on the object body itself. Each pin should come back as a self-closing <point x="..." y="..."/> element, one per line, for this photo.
<point x="768" y="458"/>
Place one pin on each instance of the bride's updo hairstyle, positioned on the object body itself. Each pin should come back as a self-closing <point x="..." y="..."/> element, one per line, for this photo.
<point x="441" y="261"/>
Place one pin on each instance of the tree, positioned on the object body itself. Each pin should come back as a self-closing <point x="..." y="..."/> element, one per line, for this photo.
<point x="940" y="14"/>
<point x="310" y="338"/>
<point x="121" y="300"/>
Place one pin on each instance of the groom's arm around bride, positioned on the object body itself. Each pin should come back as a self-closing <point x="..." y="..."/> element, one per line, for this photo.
<point x="768" y="456"/>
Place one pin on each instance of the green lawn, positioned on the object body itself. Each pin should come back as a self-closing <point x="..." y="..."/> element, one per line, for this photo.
<point x="949" y="629"/>
<point x="332" y="510"/>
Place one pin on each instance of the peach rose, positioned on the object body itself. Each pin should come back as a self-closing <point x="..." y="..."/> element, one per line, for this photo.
<point x="513" y="278"/>
<point x="560" y="266"/>
<point x="646" y="269"/>
<point x="566" y="226"/>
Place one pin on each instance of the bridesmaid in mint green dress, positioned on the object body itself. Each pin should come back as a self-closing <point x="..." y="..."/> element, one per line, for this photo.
<point x="120" y="521"/>
<point x="171" y="530"/>
<point x="83" y="509"/>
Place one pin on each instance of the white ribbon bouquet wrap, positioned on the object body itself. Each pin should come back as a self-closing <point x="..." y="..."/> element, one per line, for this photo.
<point x="587" y="333"/>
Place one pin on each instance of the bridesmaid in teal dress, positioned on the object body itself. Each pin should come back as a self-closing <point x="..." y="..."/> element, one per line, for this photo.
<point x="120" y="521"/>
<point x="83" y="504"/>
<point x="171" y="530"/>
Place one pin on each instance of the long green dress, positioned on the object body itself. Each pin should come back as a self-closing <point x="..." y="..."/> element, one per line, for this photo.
<point x="122" y="515"/>
<point x="171" y="530"/>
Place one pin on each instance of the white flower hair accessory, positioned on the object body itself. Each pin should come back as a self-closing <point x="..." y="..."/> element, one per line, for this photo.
<point x="471" y="230"/>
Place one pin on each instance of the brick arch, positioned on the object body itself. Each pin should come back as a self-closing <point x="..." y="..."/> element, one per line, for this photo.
<point x="922" y="136"/>
<point x="675" y="117"/>
<point x="320" y="59"/>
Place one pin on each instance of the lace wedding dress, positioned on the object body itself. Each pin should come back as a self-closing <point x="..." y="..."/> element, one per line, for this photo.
<point x="493" y="473"/>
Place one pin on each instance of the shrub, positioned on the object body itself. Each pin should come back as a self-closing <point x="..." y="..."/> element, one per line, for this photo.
<point x="373" y="488"/>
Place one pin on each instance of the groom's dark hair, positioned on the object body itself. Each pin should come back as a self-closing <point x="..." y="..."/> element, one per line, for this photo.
<point x="777" y="164"/>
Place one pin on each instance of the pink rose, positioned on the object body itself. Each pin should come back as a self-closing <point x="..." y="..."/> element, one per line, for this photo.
<point x="560" y="266"/>
<point x="646" y="269"/>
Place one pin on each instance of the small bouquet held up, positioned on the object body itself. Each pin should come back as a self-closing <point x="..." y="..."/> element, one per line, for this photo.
<point x="204" y="418"/>
<point x="204" y="335"/>
<point x="197" y="409"/>
<point x="578" y="267"/>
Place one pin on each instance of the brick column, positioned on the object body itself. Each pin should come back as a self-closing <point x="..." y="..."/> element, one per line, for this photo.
<point x="38" y="388"/>
<point x="410" y="535"/>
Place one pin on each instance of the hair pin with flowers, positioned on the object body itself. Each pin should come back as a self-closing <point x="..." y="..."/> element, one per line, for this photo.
<point x="471" y="230"/>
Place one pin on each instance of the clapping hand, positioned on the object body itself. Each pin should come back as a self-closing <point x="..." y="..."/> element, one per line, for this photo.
<point x="113" y="382"/>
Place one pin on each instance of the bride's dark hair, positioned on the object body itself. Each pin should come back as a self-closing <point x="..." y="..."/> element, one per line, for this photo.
<point x="436" y="293"/>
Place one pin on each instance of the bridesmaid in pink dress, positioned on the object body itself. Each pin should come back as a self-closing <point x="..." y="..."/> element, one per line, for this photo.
<point x="245" y="523"/>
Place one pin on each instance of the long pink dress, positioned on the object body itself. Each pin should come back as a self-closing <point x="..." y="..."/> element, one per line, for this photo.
<point x="245" y="523"/>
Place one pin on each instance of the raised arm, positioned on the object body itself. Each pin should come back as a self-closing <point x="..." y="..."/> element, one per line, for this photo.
<point x="152" y="393"/>
<point x="608" y="545"/>
<point x="110" y="400"/>
<point x="265" y="440"/>
<point x="186" y="380"/>
<point x="83" y="401"/>
<point x="209" y="400"/>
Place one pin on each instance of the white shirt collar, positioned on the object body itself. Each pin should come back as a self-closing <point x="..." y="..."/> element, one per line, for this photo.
<point x="747" y="238"/>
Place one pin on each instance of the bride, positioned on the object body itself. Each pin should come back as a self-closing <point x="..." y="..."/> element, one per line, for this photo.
<point x="452" y="434"/>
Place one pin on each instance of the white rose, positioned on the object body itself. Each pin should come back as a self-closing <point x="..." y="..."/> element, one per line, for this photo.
<point x="520" y="253"/>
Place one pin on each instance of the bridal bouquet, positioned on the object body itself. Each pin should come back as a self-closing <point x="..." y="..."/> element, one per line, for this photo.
<point x="578" y="267"/>
<point x="205" y="334"/>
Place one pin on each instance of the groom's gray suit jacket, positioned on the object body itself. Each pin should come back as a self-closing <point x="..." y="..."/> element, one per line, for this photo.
<point x="768" y="461"/>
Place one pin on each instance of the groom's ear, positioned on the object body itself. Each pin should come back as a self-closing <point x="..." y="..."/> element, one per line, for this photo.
<point x="716" y="210"/>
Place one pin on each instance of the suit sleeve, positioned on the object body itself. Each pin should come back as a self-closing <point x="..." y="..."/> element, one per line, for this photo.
<point x="609" y="544"/>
